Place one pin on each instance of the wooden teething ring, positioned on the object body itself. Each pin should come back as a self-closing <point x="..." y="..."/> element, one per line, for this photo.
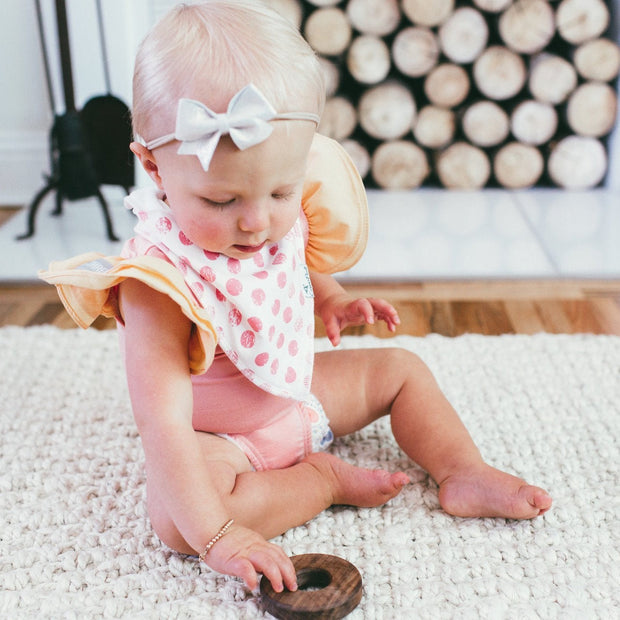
<point x="329" y="588"/>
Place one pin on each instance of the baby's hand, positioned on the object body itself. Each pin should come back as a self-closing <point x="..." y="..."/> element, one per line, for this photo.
<point x="244" y="553"/>
<point x="341" y="311"/>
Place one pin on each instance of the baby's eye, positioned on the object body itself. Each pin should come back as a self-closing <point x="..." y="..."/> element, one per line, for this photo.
<point x="220" y="204"/>
<point x="282" y="195"/>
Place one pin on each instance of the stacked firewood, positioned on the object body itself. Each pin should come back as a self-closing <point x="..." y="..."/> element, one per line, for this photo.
<point x="467" y="94"/>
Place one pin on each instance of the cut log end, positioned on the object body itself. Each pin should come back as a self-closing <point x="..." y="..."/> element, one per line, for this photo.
<point x="534" y="122"/>
<point x="577" y="162"/>
<point x="552" y="78"/>
<point x="415" y="51"/>
<point x="499" y="73"/>
<point x="339" y="119"/>
<point x="493" y="6"/>
<point x="434" y="127"/>
<point x="591" y="109"/>
<point x="464" y="35"/>
<point x="578" y="21"/>
<point x="527" y="26"/>
<point x="387" y="111"/>
<point x="447" y="85"/>
<point x="399" y="165"/>
<point x="463" y="166"/>
<point x="486" y="124"/>
<point x="375" y="18"/>
<point x="518" y="166"/>
<point x="328" y="31"/>
<point x="368" y="59"/>
<point x="425" y="13"/>
<point x="598" y="60"/>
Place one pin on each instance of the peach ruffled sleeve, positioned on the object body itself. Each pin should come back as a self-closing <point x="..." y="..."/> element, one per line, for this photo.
<point x="335" y="205"/>
<point x="86" y="285"/>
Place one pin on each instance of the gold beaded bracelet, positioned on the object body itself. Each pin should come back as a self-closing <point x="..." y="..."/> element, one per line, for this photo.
<point x="219" y="535"/>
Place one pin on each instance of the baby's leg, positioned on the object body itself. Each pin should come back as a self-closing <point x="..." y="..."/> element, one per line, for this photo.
<point x="425" y="426"/>
<point x="271" y="502"/>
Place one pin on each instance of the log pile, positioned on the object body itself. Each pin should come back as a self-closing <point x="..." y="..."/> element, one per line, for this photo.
<point x="467" y="94"/>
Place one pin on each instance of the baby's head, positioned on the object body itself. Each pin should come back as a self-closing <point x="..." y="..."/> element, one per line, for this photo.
<point x="244" y="188"/>
<point x="210" y="51"/>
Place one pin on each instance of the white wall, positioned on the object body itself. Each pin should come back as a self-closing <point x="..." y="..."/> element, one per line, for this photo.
<point x="25" y="116"/>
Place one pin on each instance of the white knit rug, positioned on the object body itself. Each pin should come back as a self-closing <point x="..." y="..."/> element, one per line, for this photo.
<point x="75" y="541"/>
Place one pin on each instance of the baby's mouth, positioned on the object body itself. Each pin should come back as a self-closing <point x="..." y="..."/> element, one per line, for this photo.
<point x="250" y="249"/>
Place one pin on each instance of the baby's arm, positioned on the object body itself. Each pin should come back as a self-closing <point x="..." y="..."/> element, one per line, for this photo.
<point x="338" y="309"/>
<point x="156" y="343"/>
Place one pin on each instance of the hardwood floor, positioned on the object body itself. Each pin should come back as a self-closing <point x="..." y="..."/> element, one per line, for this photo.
<point x="450" y="308"/>
<point x="447" y="308"/>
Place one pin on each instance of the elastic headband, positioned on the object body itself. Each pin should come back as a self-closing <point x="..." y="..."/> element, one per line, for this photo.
<point x="246" y="121"/>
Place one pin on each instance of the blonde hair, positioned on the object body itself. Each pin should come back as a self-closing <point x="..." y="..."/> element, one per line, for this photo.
<point x="210" y="50"/>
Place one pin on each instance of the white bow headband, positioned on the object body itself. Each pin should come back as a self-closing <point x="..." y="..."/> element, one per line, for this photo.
<point x="199" y="129"/>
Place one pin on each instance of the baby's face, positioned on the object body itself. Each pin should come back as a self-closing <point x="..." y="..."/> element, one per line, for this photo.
<point x="247" y="198"/>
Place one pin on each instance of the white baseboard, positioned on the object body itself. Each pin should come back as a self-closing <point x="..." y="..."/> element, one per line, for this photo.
<point x="24" y="160"/>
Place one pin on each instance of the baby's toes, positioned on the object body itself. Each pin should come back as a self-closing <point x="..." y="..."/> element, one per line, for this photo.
<point x="534" y="502"/>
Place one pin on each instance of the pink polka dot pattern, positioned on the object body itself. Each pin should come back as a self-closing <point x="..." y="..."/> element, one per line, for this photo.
<point x="255" y="323"/>
<point x="247" y="339"/>
<point x="258" y="305"/>
<point x="183" y="239"/>
<point x="234" y="316"/>
<point x="234" y="265"/>
<point x="258" y="296"/>
<point x="163" y="225"/>
<point x="261" y="359"/>
<point x="207" y="274"/>
<point x="234" y="287"/>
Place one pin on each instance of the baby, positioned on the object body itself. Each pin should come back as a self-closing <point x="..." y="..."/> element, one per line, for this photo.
<point x="216" y="296"/>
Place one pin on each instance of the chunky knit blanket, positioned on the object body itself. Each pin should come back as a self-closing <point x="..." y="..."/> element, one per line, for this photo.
<point x="75" y="541"/>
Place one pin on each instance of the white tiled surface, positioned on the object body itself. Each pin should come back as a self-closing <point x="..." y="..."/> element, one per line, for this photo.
<point x="431" y="234"/>
<point x="580" y="230"/>
<point x="418" y="235"/>
<point x="79" y="229"/>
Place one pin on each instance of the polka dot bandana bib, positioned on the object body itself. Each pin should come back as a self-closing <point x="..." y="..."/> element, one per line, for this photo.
<point x="261" y="307"/>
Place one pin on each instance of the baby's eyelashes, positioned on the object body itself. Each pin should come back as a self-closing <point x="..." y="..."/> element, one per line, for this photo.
<point x="219" y="204"/>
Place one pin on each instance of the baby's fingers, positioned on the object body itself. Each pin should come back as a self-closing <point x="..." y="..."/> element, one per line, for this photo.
<point x="332" y="330"/>
<point x="242" y="568"/>
<point x="384" y="311"/>
<point x="362" y="308"/>
<point x="277" y="568"/>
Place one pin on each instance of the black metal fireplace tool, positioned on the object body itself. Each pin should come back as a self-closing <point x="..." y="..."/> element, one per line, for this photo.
<point x="88" y="148"/>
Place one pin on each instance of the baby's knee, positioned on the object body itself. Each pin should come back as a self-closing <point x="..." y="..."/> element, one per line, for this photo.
<point x="397" y="358"/>
<point x="405" y="366"/>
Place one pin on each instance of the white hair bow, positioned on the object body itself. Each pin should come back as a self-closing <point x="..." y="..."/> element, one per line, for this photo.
<point x="246" y="122"/>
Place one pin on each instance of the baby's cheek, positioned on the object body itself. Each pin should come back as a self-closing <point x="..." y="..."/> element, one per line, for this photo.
<point x="208" y="233"/>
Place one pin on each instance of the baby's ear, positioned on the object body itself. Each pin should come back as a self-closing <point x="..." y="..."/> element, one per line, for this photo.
<point x="148" y="161"/>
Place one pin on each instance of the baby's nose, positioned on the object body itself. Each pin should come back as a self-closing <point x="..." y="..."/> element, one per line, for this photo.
<point x="255" y="217"/>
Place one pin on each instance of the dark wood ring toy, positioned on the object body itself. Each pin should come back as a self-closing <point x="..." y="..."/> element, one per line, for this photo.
<point x="329" y="587"/>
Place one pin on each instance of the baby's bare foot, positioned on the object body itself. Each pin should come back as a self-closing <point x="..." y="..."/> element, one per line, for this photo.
<point x="355" y="486"/>
<point x="484" y="491"/>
